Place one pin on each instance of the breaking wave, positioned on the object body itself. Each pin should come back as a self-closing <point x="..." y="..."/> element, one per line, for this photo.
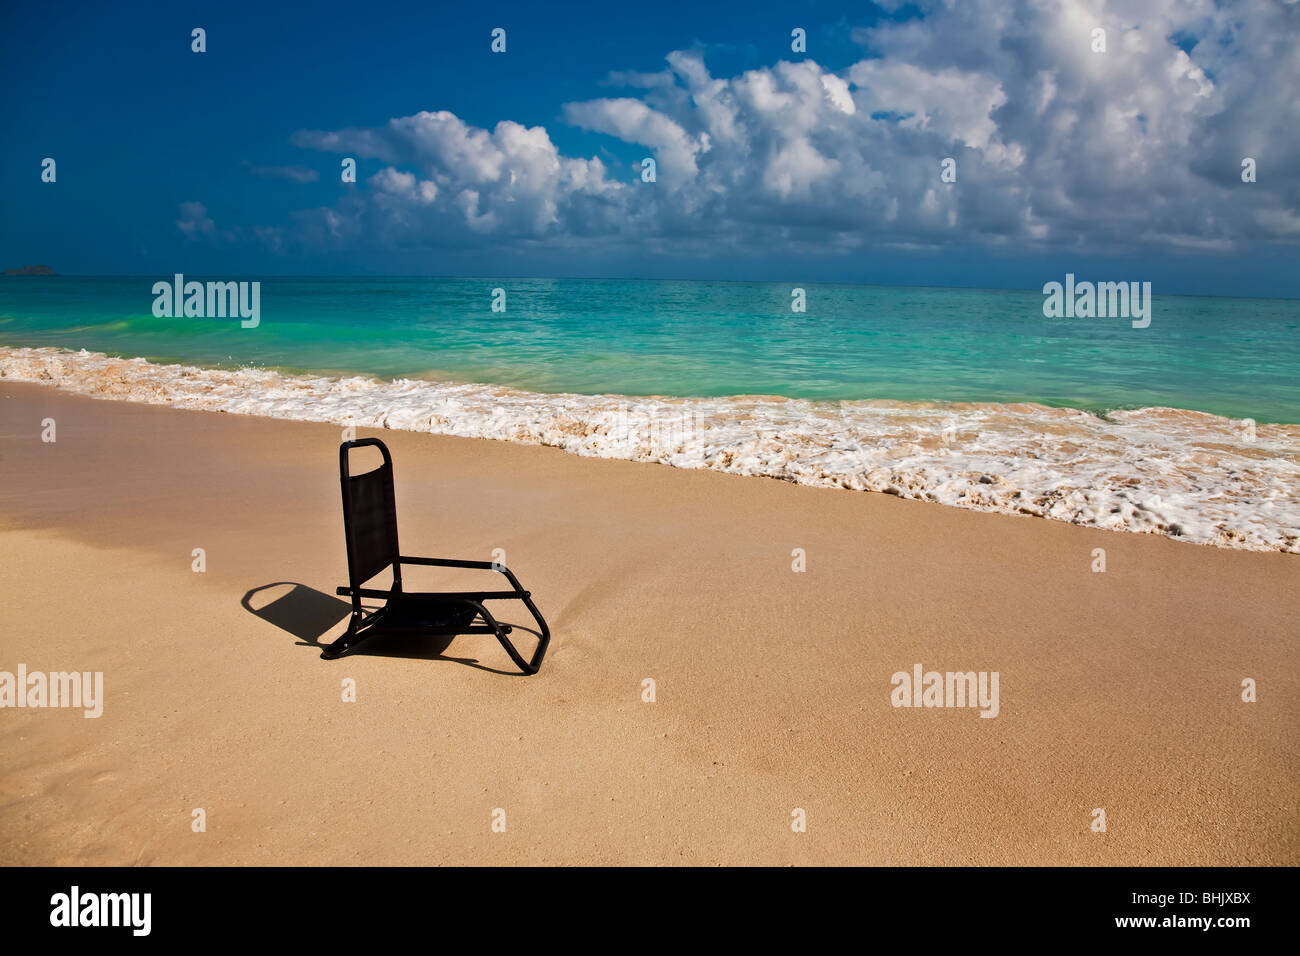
<point x="1185" y="474"/>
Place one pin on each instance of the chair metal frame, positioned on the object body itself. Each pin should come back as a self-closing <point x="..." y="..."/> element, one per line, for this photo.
<point x="374" y="548"/>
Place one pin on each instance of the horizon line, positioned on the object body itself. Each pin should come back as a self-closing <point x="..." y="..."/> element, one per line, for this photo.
<point x="578" y="278"/>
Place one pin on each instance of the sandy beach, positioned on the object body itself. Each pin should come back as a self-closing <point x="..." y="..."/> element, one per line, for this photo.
<point x="1119" y="690"/>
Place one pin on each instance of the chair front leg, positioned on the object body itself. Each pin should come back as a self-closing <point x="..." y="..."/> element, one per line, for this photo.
<point x="497" y="630"/>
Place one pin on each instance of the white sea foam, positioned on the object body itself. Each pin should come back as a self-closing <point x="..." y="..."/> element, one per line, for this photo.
<point x="1186" y="474"/>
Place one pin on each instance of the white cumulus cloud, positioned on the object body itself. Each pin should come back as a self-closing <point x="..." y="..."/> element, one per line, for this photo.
<point x="1053" y="142"/>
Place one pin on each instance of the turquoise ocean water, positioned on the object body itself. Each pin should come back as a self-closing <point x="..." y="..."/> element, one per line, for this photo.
<point x="1238" y="358"/>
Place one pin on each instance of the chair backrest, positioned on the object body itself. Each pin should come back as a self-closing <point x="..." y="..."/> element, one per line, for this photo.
<point x="369" y="516"/>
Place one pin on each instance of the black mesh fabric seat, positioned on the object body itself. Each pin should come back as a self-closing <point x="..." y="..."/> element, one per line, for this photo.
<point x="415" y="613"/>
<point x="370" y="527"/>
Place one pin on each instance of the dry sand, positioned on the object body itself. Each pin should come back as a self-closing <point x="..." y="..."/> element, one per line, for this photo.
<point x="1119" y="690"/>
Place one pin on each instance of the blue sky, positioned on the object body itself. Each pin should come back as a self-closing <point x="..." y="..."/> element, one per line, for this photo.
<point x="771" y="163"/>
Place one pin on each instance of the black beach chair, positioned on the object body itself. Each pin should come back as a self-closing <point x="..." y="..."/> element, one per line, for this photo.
<point x="370" y="524"/>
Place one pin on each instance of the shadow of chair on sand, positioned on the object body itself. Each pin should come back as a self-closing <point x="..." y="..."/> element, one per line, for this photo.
<point x="309" y="615"/>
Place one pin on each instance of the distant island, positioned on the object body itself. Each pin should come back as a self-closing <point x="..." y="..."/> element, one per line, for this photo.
<point x="31" y="271"/>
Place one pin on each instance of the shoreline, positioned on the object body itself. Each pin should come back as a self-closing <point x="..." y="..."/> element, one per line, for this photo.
<point x="1179" y="473"/>
<point x="1118" y="690"/>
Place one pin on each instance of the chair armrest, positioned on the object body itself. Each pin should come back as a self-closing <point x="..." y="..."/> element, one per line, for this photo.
<point x="448" y="563"/>
<point x="364" y="592"/>
<point x="455" y="563"/>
